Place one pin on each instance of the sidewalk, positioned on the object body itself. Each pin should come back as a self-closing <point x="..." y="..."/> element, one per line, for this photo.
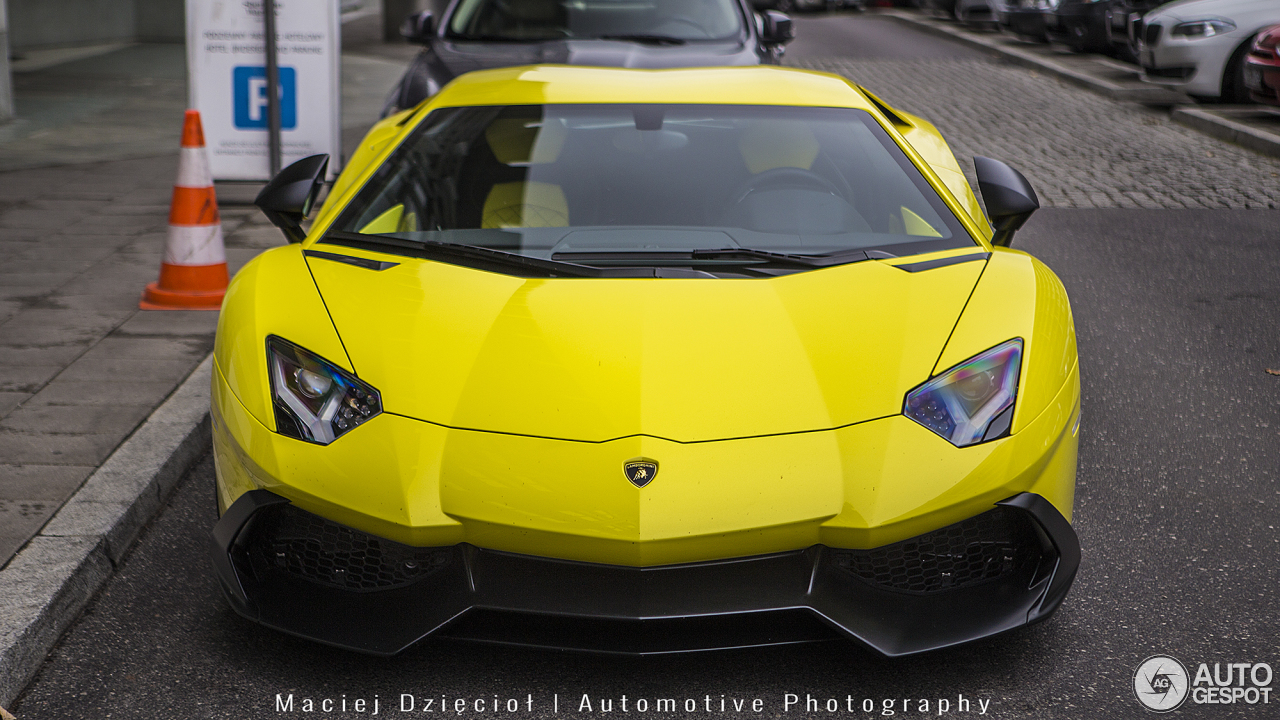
<point x="86" y="175"/>
<point x="85" y="179"/>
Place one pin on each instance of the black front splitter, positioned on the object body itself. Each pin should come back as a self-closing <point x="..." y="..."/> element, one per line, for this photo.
<point x="500" y="597"/>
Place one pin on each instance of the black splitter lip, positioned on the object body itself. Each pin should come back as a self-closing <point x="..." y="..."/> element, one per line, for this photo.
<point x="499" y="597"/>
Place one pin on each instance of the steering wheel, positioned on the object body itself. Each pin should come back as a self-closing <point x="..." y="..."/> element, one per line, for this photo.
<point x="783" y="177"/>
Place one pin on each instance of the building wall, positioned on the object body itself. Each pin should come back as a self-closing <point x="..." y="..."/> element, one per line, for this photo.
<point x="160" y="20"/>
<point x="52" y="23"/>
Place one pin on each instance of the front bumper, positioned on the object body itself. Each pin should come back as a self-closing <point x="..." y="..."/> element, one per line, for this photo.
<point x="1262" y="77"/>
<point x="296" y="572"/>
<point x="1192" y="65"/>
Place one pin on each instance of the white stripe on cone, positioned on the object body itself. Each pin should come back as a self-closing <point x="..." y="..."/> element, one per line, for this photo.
<point x="194" y="245"/>
<point x="193" y="168"/>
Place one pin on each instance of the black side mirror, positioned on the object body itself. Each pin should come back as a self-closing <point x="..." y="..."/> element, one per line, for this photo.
<point x="776" y="28"/>
<point x="1009" y="198"/>
<point x="419" y="27"/>
<point x="288" y="198"/>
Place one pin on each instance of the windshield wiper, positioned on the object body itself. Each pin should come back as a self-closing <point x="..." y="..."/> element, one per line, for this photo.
<point x="478" y="258"/>
<point x="645" y="39"/>
<point x="722" y="256"/>
<point x="839" y="257"/>
<point x="625" y="264"/>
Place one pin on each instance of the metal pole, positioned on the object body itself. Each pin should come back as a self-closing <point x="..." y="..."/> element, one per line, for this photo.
<point x="273" y="85"/>
<point x="6" y="86"/>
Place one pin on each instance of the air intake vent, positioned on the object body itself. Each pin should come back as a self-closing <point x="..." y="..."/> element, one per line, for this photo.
<point x="985" y="547"/>
<point x="287" y="539"/>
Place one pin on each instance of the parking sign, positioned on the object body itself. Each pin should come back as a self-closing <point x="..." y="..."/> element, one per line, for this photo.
<point x="250" y="91"/>
<point x="227" y="65"/>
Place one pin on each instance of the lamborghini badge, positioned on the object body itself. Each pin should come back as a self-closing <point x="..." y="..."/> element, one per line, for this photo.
<point x="640" y="471"/>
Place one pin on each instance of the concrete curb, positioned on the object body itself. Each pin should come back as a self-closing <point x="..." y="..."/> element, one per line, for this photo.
<point x="1153" y="95"/>
<point x="46" y="585"/>
<point x="1218" y="123"/>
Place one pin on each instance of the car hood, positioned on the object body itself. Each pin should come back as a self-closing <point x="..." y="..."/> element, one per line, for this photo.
<point x="456" y="58"/>
<point x="688" y="360"/>
<point x="1243" y="10"/>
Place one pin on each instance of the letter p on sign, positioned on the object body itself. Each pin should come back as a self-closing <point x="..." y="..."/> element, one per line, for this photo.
<point x="249" y="85"/>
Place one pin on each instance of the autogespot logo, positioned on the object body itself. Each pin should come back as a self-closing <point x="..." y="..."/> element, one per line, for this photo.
<point x="1161" y="683"/>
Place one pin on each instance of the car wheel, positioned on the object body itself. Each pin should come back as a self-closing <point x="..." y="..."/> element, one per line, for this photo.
<point x="1233" y="88"/>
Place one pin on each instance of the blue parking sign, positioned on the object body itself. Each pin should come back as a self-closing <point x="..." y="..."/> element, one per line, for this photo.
<point x="250" y="88"/>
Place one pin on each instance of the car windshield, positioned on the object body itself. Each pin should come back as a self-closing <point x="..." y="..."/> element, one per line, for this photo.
<point x="535" y="20"/>
<point x="622" y="184"/>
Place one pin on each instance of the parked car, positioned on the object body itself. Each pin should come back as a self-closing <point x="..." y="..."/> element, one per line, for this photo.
<point x="1262" y="68"/>
<point x="969" y="12"/>
<point x="1199" y="46"/>
<point x="980" y="13"/>
<point x="945" y="8"/>
<point x="1123" y="17"/>
<point x="647" y="362"/>
<point x="1025" y="19"/>
<point x="808" y="5"/>
<point x="1080" y="25"/>
<point x="478" y="34"/>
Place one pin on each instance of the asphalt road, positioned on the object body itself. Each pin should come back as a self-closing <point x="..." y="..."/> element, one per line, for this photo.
<point x="862" y="36"/>
<point x="1177" y="314"/>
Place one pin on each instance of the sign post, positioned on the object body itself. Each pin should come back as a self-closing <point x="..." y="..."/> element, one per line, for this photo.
<point x="6" y="86"/>
<point x="273" y="90"/>
<point x="264" y="106"/>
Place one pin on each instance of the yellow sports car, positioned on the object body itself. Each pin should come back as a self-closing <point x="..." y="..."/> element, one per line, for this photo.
<point x="647" y="361"/>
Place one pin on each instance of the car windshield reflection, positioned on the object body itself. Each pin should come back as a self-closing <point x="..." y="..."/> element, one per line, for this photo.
<point x="659" y="21"/>
<point x="557" y="180"/>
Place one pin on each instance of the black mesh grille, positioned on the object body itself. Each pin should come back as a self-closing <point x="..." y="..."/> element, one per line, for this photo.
<point x="304" y="545"/>
<point x="1152" y="35"/>
<point x="985" y="547"/>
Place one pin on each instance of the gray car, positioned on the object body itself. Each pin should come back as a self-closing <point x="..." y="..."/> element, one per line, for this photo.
<point x="465" y="35"/>
<point x="983" y="13"/>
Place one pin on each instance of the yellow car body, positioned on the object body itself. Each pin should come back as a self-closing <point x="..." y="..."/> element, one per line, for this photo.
<point x="772" y="408"/>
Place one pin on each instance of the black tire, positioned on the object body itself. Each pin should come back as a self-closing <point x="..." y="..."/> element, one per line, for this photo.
<point x="1234" y="90"/>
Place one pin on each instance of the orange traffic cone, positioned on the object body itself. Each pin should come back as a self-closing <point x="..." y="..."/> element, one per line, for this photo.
<point x="193" y="274"/>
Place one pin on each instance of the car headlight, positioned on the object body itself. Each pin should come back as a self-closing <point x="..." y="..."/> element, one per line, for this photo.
<point x="973" y="401"/>
<point x="1203" y="28"/>
<point x="314" y="399"/>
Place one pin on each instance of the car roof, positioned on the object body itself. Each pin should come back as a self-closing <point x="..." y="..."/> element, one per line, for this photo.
<point x="563" y="84"/>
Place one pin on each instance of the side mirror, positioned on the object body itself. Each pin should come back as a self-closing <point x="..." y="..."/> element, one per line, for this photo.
<point x="776" y="28"/>
<point x="419" y="27"/>
<point x="288" y="198"/>
<point x="1009" y="198"/>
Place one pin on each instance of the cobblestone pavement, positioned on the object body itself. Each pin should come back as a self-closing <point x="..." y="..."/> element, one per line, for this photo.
<point x="1076" y="148"/>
